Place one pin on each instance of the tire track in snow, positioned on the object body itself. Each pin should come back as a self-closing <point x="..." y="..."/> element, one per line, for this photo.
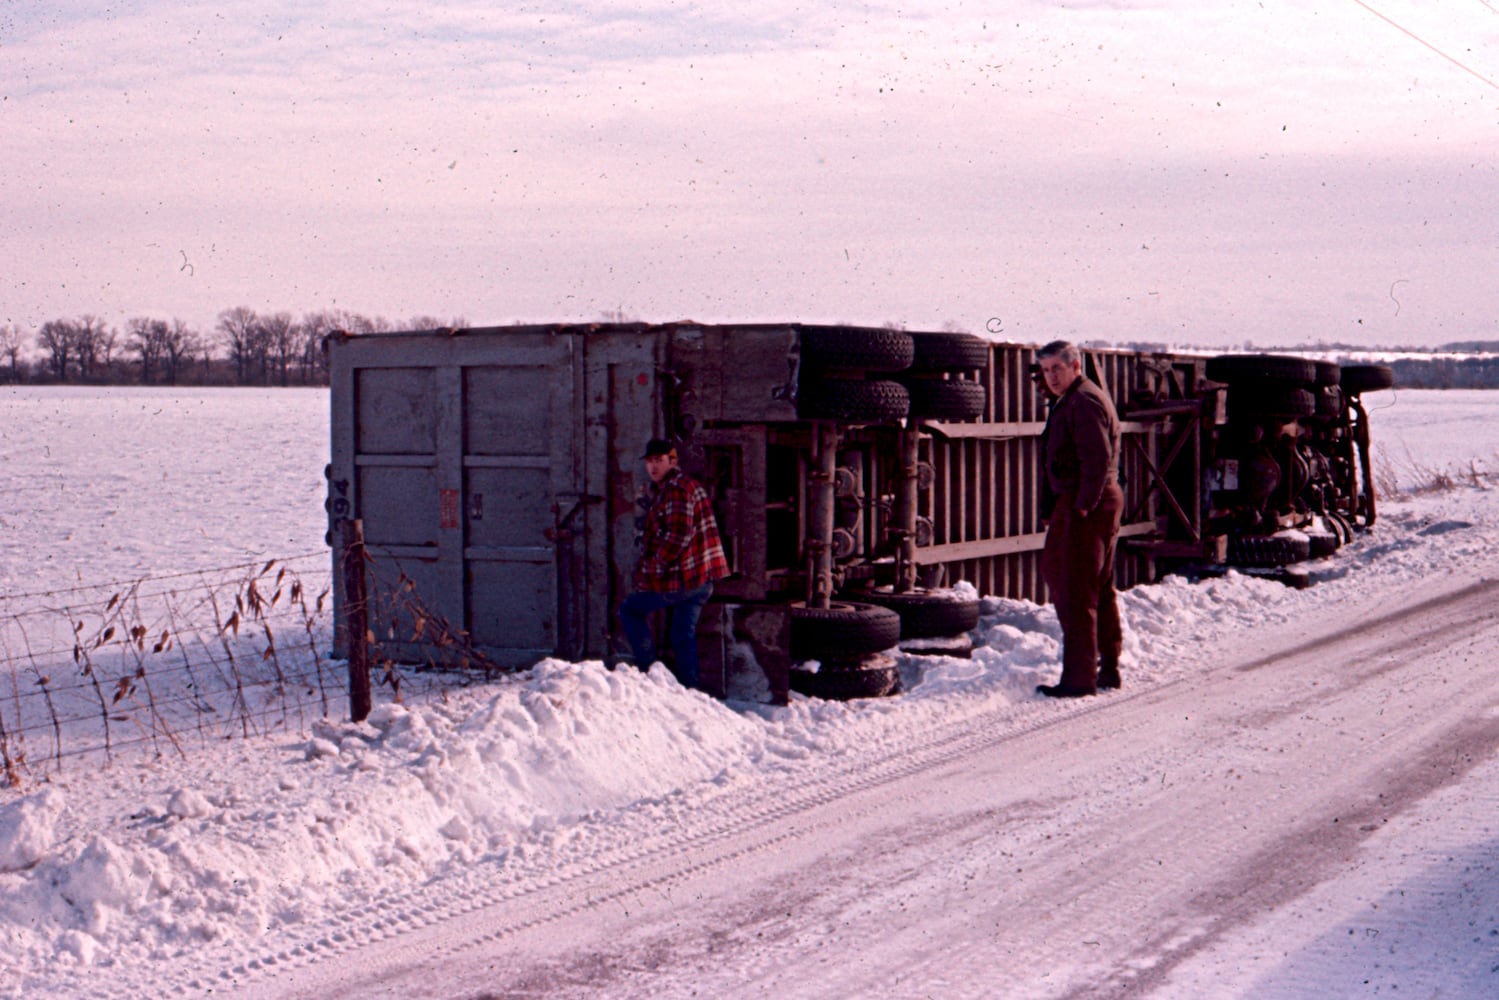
<point x="555" y="884"/>
<point x="1449" y="730"/>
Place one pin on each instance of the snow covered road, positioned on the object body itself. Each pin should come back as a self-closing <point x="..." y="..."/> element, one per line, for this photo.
<point x="1125" y="845"/>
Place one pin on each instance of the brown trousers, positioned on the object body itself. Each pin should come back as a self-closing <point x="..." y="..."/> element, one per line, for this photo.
<point x="1077" y="563"/>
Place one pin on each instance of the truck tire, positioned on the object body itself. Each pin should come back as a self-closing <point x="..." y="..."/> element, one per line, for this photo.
<point x="1366" y="378"/>
<point x="1269" y="399"/>
<point x="842" y="631"/>
<point x="1267" y="551"/>
<point x="853" y="400"/>
<point x="843" y="684"/>
<point x="946" y="399"/>
<point x="1328" y="372"/>
<point x="1329" y="401"/>
<point x="949" y="352"/>
<point x="1233" y="368"/>
<point x="927" y="614"/>
<point x="835" y="348"/>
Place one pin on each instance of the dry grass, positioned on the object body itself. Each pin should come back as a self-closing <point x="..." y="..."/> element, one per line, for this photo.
<point x="158" y="660"/>
<point x="1393" y="476"/>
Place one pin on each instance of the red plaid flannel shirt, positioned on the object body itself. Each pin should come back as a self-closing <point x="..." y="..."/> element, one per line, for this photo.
<point x="682" y="547"/>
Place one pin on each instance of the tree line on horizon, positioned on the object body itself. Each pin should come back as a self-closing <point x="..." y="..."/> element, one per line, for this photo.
<point x="1446" y="373"/>
<point x="244" y="347"/>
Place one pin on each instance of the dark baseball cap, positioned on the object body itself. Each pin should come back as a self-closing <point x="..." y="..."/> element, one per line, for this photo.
<point x="658" y="446"/>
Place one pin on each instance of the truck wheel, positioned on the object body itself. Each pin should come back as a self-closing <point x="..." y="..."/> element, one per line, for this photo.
<point x="830" y="348"/>
<point x="842" y="684"/>
<point x="1328" y="372"/>
<point x="852" y="400"/>
<point x="1329" y="401"/>
<point x="927" y="614"/>
<point x="1269" y="399"/>
<point x="949" y="352"/>
<point x="1233" y="368"/>
<point x="844" y="630"/>
<point x="1267" y="551"/>
<point x="1366" y="378"/>
<point x="942" y="399"/>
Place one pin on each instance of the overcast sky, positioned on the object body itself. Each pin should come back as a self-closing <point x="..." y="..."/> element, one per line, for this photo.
<point x="1199" y="172"/>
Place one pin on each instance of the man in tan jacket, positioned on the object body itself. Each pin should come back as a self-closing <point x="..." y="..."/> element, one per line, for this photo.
<point x="1080" y="449"/>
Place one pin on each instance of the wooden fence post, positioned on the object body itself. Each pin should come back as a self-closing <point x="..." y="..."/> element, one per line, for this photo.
<point x="356" y="618"/>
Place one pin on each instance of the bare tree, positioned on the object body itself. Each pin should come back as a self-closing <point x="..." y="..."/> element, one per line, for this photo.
<point x="240" y="329"/>
<point x="106" y="341"/>
<point x="179" y="346"/>
<point x="12" y="342"/>
<point x="56" y="338"/>
<point x="277" y="338"/>
<point x="147" y="338"/>
<point x="205" y="356"/>
<point x="433" y="323"/>
<point x="92" y="343"/>
<point x="312" y="360"/>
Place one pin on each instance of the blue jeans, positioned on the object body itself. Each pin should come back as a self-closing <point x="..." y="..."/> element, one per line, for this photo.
<point x="686" y="607"/>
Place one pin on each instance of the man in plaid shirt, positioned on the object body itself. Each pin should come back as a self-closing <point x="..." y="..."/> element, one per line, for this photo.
<point x="682" y="557"/>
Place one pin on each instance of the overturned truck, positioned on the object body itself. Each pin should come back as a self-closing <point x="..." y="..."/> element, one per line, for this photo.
<point x="492" y="484"/>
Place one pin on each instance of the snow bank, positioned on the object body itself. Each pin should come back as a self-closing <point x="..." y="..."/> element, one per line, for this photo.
<point x="26" y="829"/>
<point x="414" y="788"/>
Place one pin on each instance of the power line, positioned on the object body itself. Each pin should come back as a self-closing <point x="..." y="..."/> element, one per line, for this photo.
<point x="1401" y="28"/>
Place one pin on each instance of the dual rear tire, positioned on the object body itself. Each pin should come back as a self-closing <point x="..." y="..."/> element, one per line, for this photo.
<point x="845" y="375"/>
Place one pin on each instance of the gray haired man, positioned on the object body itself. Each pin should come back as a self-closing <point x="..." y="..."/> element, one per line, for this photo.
<point x="1081" y="456"/>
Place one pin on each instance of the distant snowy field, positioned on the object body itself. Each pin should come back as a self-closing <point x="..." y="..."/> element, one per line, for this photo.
<point x="147" y="878"/>
<point x="1442" y="430"/>
<point x="109" y="484"/>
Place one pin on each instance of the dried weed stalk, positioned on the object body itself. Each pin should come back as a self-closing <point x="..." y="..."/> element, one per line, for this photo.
<point x="149" y="662"/>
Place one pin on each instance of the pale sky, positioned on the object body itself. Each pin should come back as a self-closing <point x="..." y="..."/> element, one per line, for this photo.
<point x="1199" y="172"/>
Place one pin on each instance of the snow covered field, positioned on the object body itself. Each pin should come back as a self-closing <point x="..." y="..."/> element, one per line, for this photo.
<point x="111" y="484"/>
<point x="203" y="874"/>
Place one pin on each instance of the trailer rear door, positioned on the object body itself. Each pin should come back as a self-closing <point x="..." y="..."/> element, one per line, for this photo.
<point x="462" y="456"/>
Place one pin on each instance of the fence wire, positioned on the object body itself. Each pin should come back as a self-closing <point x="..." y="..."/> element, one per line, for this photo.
<point x="165" y="663"/>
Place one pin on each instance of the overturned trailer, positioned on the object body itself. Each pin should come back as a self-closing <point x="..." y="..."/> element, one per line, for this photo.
<point x="856" y="472"/>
